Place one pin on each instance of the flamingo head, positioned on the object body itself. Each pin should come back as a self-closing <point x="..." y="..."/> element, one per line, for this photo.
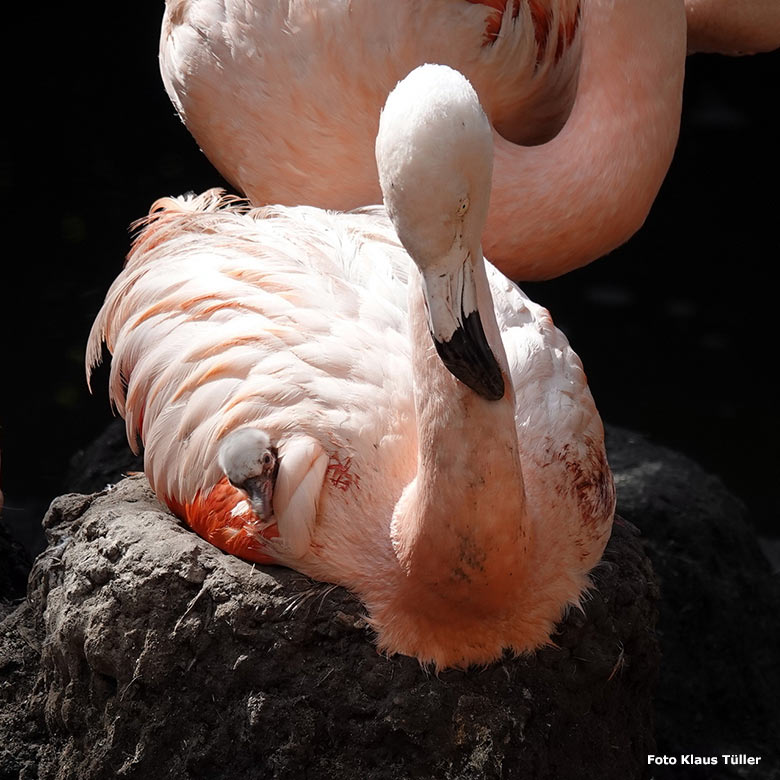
<point x="434" y="153"/>
<point x="250" y="463"/>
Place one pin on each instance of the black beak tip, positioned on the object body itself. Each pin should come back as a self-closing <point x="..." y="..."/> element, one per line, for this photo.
<point x="468" y="357"/>
<point x="493" y="389"/>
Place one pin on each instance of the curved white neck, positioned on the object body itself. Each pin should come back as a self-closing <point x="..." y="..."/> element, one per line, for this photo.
<point x="591" y="187"/>
<point x="457" y="529"/>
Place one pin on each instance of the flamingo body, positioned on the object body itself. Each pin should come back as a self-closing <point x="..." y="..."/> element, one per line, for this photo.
<point x="465" y="515"/>
<point x="584" y="97"/>
<point x="297" y="319"/>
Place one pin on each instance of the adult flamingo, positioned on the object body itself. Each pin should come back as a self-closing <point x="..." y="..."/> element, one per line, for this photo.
<point x="584" y="97"/>
<point x="279" y="366"/>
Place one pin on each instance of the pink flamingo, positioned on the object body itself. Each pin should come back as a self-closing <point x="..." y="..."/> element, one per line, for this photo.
<point x="733" y="26"/>
<point x="418" y="432"/>
<point x="584" y="97"/>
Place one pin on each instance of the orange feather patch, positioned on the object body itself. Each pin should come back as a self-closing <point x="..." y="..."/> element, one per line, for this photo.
<point x="540" y="16"/>
<point x="224" y="517"/>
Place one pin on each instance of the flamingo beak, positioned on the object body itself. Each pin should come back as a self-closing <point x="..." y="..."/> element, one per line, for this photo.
<point x="456" y="328"/>
<point x="260" y="490"/>
<point x="468" y="357"/>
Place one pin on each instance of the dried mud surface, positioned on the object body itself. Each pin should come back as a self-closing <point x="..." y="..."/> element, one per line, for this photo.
<point x="141" y="651"/>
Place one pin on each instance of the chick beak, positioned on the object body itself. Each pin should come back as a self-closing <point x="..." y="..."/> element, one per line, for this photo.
<point x="260" y="490"/>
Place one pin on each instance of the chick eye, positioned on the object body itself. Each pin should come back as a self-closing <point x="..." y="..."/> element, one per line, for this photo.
<point x="267" y="459"/>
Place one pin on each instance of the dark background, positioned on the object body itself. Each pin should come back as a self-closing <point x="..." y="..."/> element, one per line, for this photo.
<point x="676" y="328"/>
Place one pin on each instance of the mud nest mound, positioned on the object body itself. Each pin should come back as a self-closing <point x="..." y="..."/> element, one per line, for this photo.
<point x="141" y="651"/>
<point x="162" y="657"/>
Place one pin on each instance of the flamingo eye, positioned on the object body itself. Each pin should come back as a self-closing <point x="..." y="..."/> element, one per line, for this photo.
<point x="463" y="206"/>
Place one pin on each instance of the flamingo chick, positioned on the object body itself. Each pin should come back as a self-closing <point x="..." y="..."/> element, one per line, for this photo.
<point x="418" y="432"/>
<point x="584" y="97"/>
<point x="249" y="463"/>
